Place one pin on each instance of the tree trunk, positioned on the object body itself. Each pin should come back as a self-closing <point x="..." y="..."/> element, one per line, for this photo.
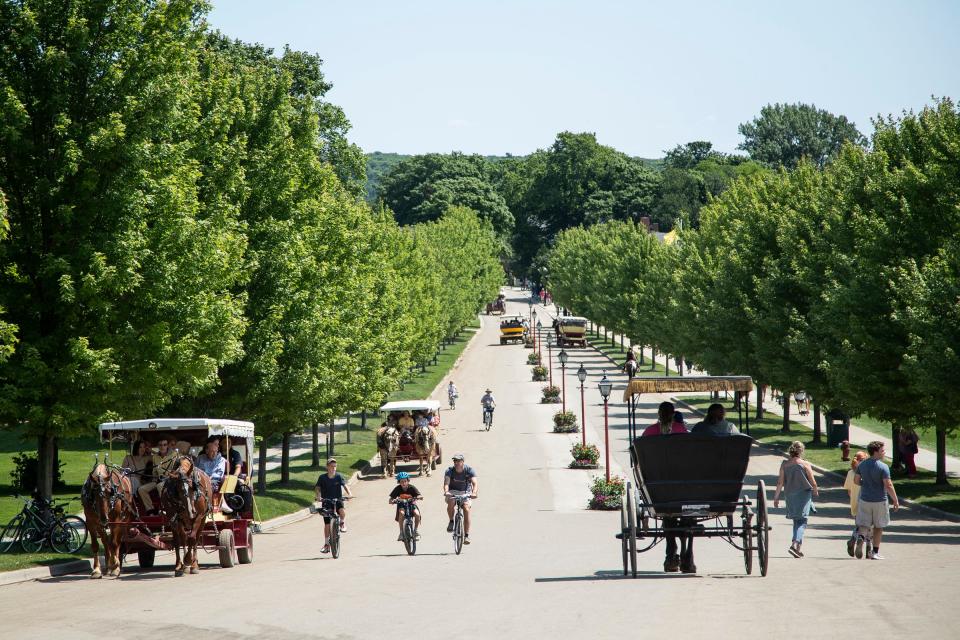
<point x="349" y="441"/>
<point x="56" y="463"/>
<point x="315" y="460"/>
<point x="760" y="394"/>
<point x="45" y="461"/>
<point x="666" y="363"/>
<point x="941" y="455"/>
<point x="331" y="438"/>
<point x="285" y="459"/>
<point x="640" y="355"/>
<point x="817" y="429"/>
<point x="262" y="468"/>
<point x="653" y="358"/>
<point x="622" y="349"/>
<point x="896" y="460"/>
<point x="786" y="413"/>
<point x="363" y="419"/>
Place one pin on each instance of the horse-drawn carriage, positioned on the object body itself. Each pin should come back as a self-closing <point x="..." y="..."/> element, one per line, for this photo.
<point x="571" y="331"/>
<point x="512" y="330"/>
<point x="409" y="433"/>
<point x="149" y="530"/>
<point x="498" y="306"/>
<point x="689" y="485"/>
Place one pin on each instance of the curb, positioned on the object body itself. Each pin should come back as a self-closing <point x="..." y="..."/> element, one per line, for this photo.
<point x="833" y="475"/>
<point x="51" y="571"/>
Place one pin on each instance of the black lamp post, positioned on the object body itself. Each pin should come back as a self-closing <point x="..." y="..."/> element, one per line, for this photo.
<point x="539" y="329"/>
<point x="605" y="387"/>
<point x="582" y="376"/>
<point x="562" y="357"/>
<point x="550" y="360"/>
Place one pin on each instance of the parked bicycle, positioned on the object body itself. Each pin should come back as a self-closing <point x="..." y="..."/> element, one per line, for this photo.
<point x="409" y="530"/>
<point x="40" y="523"/>
<point x="458" y="532"/>
<point x="328" y="509"/>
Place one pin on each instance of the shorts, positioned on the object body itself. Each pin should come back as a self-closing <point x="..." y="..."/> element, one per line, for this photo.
<point x="873" y="514"/>
<point x="399" y="514"/>
<point x="337" y="505"/>
<point x="454" y="492"/>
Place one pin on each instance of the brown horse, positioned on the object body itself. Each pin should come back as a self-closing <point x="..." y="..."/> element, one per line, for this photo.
<point x="425" y="441"/>
<point x="107" y="498"/>
<point x="388" y="443"/>
<point x="187" y="500"/>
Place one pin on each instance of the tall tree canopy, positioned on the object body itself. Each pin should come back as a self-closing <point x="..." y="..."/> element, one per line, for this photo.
<point x="784" y="133"/>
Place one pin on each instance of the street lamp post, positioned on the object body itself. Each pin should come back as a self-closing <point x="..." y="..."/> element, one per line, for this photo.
<point x="562" y="357"/>
<point x="539" y="328"/>
<point x="550" y="360"/>
<point x="582" y="376"/>
<point x="605" y="387"/>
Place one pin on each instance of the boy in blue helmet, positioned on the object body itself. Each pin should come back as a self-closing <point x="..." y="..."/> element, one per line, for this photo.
<point x="407" y="491"/>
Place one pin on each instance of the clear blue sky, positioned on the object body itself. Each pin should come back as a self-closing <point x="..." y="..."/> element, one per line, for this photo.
<point x="492" y="77"/>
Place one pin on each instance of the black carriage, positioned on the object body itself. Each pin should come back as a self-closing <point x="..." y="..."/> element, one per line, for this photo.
<point x="689" y="484"/>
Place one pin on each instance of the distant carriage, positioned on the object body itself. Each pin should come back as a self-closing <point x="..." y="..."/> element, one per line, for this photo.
<point x="498" y="306"/>
<point x="512" y="330"/>
<point x="407" y="440"/>
<point x="571" y="331"/>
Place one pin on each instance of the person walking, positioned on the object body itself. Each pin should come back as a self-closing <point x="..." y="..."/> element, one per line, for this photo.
<point x="853" y="490"/>
<point x="873" y="512"/>
<point x="799" y="486"/>
<point x="907" y="443"/>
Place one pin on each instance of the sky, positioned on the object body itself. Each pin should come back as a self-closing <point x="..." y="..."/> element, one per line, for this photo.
<point x="495" y="77"/>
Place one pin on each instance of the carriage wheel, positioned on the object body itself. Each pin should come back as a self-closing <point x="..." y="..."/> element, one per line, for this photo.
<point x="747" y="541"/>
<point x="762" y="528"/>
<point x="245" y="554"/>
<point x="146" y="558"/>
<point x="226" y="547"/>
<point x="631" y="527"/>
<point x="624" y="548"/>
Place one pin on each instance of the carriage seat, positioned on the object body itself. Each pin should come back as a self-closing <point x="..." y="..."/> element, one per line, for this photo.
<point x="686" y="469"/>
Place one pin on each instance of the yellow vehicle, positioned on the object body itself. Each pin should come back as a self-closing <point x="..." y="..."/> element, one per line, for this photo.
<point x="571" y="330"/>
<point x="512" y="330"/>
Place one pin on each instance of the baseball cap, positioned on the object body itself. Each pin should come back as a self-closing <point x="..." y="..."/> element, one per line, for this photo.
<point x="332" y="460"/>
<point x="458" y="456"/>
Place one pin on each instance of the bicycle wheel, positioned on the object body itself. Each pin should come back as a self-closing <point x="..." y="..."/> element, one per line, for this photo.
<point x="68" y="535"/>
<point x="335" y="537"/>
<point x="458" y="532"/>
<point x="33" y="538"/>
<point x="11" y="534"/>
<point x="409" y="537"/>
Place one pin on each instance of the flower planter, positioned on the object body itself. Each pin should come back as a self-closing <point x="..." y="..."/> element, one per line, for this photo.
<point x="539" y="374"/>
<point x="533" y="358"/>
<point x="551" y="395"/>
<point x="607" y="496"/>
<point x="585" y="456"/>
<point x="583" y="464"/>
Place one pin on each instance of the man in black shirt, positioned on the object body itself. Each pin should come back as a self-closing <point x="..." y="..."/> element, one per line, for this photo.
<point x="460" y="480"/>
<point x="331" y="485"/>
<point x="406" y="491"/>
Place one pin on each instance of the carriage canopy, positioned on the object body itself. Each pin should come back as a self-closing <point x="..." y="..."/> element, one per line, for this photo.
<point x="432" y="406"/>
<point x="695" y="384"/>
<point x="215" y="427"/>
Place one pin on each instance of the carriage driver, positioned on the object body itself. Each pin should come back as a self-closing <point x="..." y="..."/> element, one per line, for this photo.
<point x="406" y="490"/>
<point x="331" y="485"/>
<point x="459" y="480"/>
<point x="163" y="464"/>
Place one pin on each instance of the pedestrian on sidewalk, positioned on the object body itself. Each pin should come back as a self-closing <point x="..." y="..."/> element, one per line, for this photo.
<point x="801" y="398"/>
<point x="873" y="477"/>
<point x="799" y="486"/>
<point x="907" y="443"/>
<point x="853" y="490"/>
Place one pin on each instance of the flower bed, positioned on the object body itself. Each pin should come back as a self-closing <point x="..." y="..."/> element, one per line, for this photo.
<point x="584" y="456"/>
<point x="533" y="358"/>
<point x="539" y="373"/>
<point x="607" y="496"/>
<point x="565" y="422"/>
<point x="551" y="394"/>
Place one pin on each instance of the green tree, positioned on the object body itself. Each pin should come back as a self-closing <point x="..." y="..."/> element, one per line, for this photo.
<point x="119" y="273"/>
<point x="784" y="133"/>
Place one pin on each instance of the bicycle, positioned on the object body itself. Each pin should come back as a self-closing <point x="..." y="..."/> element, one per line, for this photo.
<point x="328" y="509"/>
<point x="487" y="418"/>
<point x="458" y="532"/>
<point x="452" y="399"/>
<point x="40" y="523"/>
<point x="409" y="531"/>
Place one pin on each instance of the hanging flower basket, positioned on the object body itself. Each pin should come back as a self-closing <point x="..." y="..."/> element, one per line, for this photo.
<point x="551" y="394"/>
<point x="539" y="373"/>
<point x="565" y="422"/>
<point x="584" y="456"/>
<point x="607" y="496"/>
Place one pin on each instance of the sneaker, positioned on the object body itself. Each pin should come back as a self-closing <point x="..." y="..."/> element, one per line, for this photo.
<point x="450" y="527"/>
<point x="343" y="527"/>
<point x="400" y="538"/>
<point x="416" y="536"/>
<point x="793" y="551"/>
<point x="672" y="564"/>
<point x="326" y="549"/>
<point x="859" y="548"/>
<point x="876" y="556"/>
<point x="466" y="539"/>
<point x="851" y="543"/>
<point x="869" y="549"/>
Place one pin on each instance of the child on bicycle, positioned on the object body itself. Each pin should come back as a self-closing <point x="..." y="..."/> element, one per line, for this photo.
<point x="406" y="491"/>
<point x="330" y="486"/>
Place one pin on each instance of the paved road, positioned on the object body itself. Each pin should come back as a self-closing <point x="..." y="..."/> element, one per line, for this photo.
<point x="540" y="564"/>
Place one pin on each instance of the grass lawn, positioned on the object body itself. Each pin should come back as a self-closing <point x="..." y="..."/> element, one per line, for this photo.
<point x="928" y="435"/>
<point x="767" y="431"/>
<point x="620" y="356"/>
<point x="426" y="381"/>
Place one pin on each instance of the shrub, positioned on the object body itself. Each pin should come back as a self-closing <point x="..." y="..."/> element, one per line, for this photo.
<point x="533" y="358"/>
<point x="539" y="373"/>
<point x="565" y="422"/>
<point x="584" y="456"/>
<point x="551" y="394"/>
<point x="607" y="496"/>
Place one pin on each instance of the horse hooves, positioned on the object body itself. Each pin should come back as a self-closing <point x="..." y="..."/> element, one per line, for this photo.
<point x="96" y="575"/>
<point x="115" y="573"/>
<point x="178" y="573"/>
<point x="194" y="570"/>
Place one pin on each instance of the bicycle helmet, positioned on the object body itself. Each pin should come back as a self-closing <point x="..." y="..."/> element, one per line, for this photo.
<point x="403" y="475"/>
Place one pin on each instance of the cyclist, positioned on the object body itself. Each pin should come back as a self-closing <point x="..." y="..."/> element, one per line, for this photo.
<point x="489" y="404"/>
<point x="452" y="394"/>
<point x="331" y="485"/>
<point x="406" y="490"/>
<point x="459" y="480"/>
